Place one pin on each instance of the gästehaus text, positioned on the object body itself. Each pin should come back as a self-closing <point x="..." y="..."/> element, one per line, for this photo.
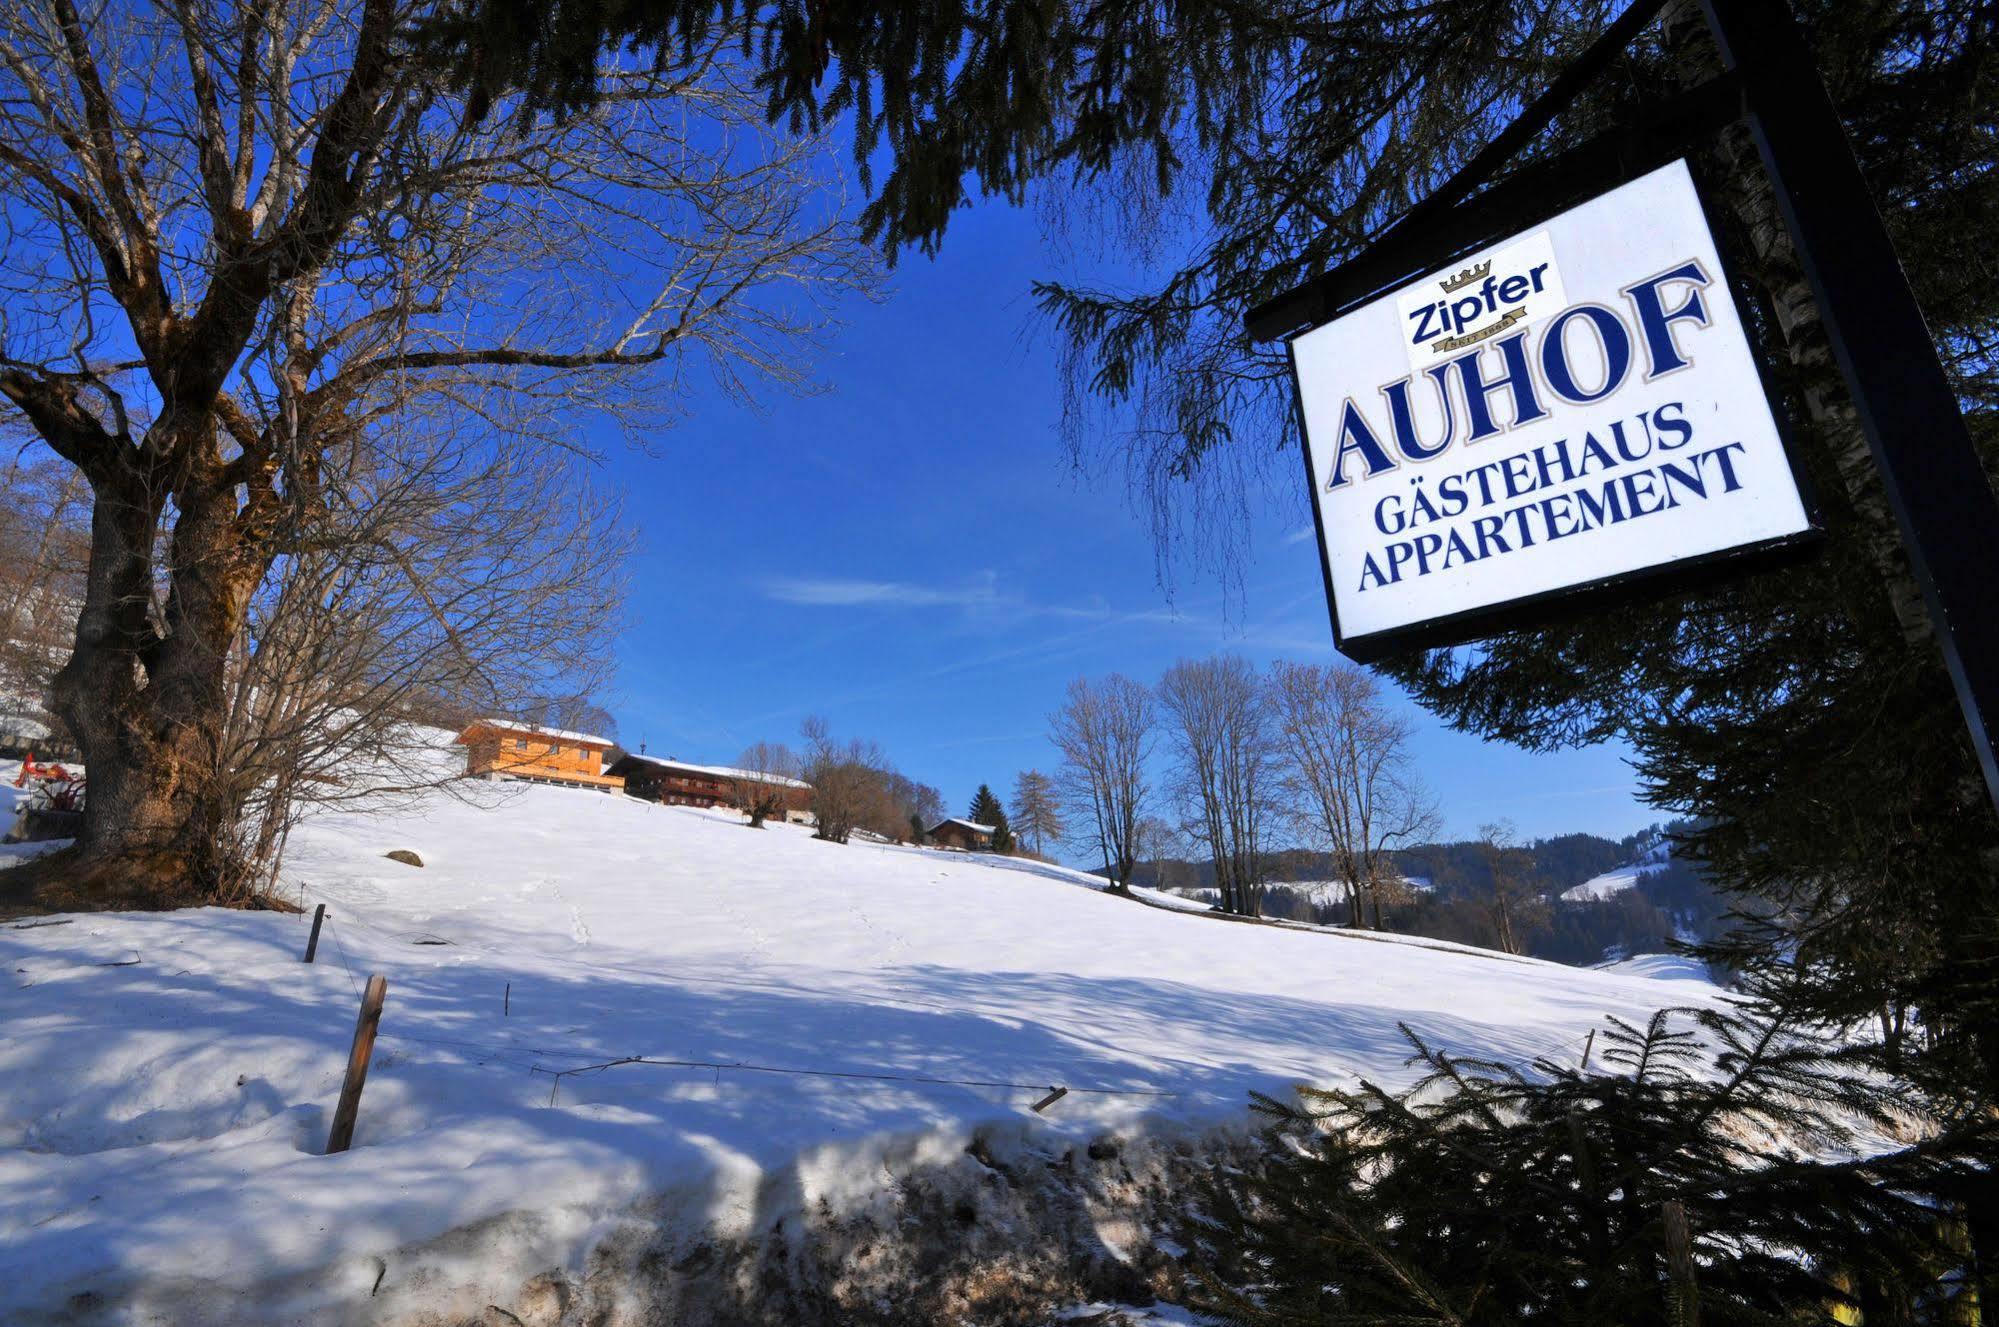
<point x="1638" y="467"/>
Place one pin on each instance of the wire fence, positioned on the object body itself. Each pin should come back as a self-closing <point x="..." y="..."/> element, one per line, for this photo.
<point x="873" y="1077"/>
<point x="532" y="1058"/>
<point x="333" y="929"/>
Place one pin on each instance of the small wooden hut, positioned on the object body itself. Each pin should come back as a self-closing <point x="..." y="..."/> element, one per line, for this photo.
<point x="964" y="835"/>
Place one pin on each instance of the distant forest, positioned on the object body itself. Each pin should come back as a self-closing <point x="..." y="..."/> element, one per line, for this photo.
<point x="1455" y="893"/>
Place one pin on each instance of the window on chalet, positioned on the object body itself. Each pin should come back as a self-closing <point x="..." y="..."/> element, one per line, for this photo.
<point x="520" y="744"/>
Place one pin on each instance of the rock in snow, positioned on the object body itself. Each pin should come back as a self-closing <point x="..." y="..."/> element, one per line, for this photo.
<point x="821" y="1032"/>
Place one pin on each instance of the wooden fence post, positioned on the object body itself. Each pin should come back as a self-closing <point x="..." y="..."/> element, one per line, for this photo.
<point x="1680" y="1265"/>
<point x="342" y="1134"/>
<point x="312" y="941"/>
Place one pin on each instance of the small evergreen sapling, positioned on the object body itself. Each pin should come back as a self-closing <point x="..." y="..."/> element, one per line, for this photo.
<point x="1489" y="1195"/>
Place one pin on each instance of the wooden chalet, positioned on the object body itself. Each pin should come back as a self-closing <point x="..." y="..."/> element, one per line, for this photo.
<point x="503" y="749"/>
<point x="683" y="783"/>
<point x="964" y="835"/>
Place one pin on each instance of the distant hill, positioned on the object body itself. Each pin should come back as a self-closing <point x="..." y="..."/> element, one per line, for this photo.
<point x="1600" y="899"/>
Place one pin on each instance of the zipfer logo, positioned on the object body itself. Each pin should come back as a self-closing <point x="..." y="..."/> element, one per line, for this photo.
<point x="1513" y="286"/>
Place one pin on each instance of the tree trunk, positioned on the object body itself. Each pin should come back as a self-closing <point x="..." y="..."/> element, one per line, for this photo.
<point x="143" y="693"/>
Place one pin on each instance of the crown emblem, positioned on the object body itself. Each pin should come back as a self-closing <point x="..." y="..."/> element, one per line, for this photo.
<point x="1466" y="277"/>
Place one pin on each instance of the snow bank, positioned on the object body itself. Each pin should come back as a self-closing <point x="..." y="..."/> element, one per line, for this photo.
<point x="166" y="1080"/>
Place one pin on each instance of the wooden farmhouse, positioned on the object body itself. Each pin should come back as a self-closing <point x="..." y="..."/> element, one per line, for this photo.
<point x="503" y="749"/>
<point x="964" y="835"/>
<point x="682" y="783"/>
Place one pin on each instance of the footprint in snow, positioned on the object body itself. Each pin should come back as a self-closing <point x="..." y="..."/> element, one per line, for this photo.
<point x="578" y="932"/>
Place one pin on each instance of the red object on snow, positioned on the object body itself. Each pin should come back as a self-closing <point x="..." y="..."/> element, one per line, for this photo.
<point x="43" y="773"/>
<point x="65" y="794"/>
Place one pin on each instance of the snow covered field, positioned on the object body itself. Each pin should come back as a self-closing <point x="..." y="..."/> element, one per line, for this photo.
<point x="1659" y="967"/>
<point x="1611" y="883"/>
<point x="166" y="1081"/>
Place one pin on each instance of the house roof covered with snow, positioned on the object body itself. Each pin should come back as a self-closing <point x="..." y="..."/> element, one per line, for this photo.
<point x="721" y="771"/>
<point x="972" y="825"/>
<point x="530" y="730"/>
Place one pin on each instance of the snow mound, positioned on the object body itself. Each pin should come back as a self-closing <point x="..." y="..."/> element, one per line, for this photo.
<point x="596" y="1002"/>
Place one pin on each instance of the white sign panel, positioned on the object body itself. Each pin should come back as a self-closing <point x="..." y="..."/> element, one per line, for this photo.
<point x="1574" y="405"/>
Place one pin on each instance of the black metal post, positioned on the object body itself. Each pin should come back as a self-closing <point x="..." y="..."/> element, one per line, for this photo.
<point x="1936" y="487"/>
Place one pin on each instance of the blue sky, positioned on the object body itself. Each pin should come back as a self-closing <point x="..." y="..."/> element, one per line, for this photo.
<point x="910" y="554"/>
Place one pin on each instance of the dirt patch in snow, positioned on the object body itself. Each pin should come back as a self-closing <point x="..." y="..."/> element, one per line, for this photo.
<point x="53" y="881"/>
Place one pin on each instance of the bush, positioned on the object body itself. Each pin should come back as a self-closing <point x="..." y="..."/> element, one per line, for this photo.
<point x="1487" y="1195"/>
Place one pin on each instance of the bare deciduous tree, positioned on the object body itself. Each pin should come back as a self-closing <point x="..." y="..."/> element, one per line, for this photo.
<point x="771" y="768"/>
<point x="918" y="804"/>
<point x="243" y="237"/>
<point x="1105" y="731"/>
<point x="1160" y="846"/>
<point x="44" y="538"/>
<point x="1226" y="768"/>
<point x="851" y="786"/>
<point x="1350" y="777"/>
<point x="1037" y="809"/>
<point x="575" y="704"/>
<point x="449" y="574"/>
<point x="1516" y="906"/>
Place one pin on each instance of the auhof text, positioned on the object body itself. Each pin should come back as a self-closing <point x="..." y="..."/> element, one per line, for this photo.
<point x="1490" y="389"/>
